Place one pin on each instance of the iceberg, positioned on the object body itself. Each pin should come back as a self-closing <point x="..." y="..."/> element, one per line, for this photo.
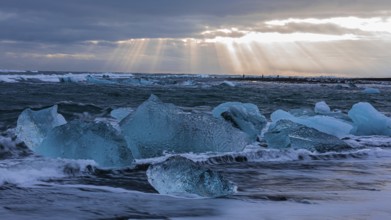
<point x="156" y="127"/>
<point x="322" y="108"/>
<point x="326" y="124"/>
<point x="87" y="140"/>
<point x="182" y="177"/>
<point x="33" y="126"/>
<point x="245" y="116"/>
<point x="368" y="121"/>
<point x="287" y="134"/>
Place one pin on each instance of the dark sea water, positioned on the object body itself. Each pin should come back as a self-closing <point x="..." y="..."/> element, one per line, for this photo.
<point x="272" y="184"/>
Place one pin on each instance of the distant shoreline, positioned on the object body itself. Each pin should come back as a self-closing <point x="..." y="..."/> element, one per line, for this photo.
<point x="293" y="79"/>
<point x="227" y="77"/>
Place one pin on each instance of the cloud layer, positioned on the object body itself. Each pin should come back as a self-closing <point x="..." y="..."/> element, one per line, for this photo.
<point x="181" y="36"/>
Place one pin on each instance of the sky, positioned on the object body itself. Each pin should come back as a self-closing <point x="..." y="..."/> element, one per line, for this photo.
<point x="349" y="38"/>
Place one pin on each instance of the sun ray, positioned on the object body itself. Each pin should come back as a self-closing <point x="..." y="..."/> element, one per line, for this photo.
<point x="248" y="51"/>
<point x="117" y="56"/>
<point x="193" y="47"/>
<point x="158" y="54"/>
<point x="263" y="61"/>
<point x="135" y="54"/>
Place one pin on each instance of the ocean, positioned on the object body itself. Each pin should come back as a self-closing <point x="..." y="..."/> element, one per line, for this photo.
<point x="271" y="183"/>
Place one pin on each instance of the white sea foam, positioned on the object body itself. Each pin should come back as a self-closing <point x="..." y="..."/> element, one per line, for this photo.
<point x="12" y="71"/>
<point x="28" y="172"/>
<point x="69" y="77"/>
<point x="254" y="153"/>
<point x="12" y="78"/>
<point x="102" y="188"/>
<point x="368" y="141"/>
<point x="7" y="142"/>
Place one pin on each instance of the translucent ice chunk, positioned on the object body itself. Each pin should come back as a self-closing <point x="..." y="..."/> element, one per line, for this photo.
<point x="156" y="127"/>
<point x="87" y="140"/>
<point x="183" y="177"/>
<point x="371" y="91"/>
<point x="245" y="116"/>
<point x="121" y="113"/>
<point x="326" y="124"/>
<point x="300" y="112"/>
<point x="322" y="108"/>
<point x="32" y="126"/>
<point x="368" y="121"/>
<point x="287" y="134"/>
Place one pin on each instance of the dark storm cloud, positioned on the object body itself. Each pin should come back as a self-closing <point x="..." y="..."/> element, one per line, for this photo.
<point x="73" y="20"/>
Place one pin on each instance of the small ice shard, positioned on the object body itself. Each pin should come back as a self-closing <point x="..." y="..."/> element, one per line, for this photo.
<point x="87" y="140"/>
<point x="146" y="82"/>
<point x="182" y="177"/>
<point x="245" y="116"/>
<point x="368" y="121"/>
<point x="326" y="124"/>
<point x="299" y="112"/>
<point x="287" y="134"/>
<point x="121" y="113"/>
<point x="188" y="83"/>
<point x="371" y="91"/>
<point x="138" y="81"/>
<point x="228" y="83"/>
<point x="156" y="127"/>
<point x="72" y="78"/>
<point x="322" y="108"/>
<point x="33" y="126"/>
<point x="99" y="81"/>
<point x="352" y="85"/>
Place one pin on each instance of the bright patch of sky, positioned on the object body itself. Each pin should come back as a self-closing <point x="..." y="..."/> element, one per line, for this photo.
<point x="375" y="24"/>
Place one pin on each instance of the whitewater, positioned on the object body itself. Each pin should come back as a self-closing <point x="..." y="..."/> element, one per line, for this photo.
<point x="259" y="178"/>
